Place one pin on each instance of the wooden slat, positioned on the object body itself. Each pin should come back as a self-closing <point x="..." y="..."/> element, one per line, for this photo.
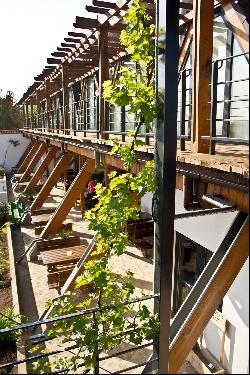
<point x="62" y="164"/>
<point x="33" y="162"/>
<point x="42" y="168"/>
<point x="69" y="199"/>
<point x="210" y="299"/>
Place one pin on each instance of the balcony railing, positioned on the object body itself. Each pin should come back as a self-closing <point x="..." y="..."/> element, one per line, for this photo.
<point x="32" y="338"/>
<point x="226" y="111"/>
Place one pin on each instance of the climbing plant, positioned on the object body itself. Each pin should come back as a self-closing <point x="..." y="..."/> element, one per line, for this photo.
<point x="115" y="321"/>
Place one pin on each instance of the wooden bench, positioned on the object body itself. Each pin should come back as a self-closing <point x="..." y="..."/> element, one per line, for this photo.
<point x="58" y="278"/>
<point x="139" y="230"/>
<point x="57" y="243"/>
<point x="39" y="229"/>
<point x="41" y="211"/>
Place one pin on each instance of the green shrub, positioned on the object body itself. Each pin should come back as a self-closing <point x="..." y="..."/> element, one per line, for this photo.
<point x="64" y="233"/>
<point x="2" y="172"/>
<point x="7" y="320"/>
<point x="4" y="212"/>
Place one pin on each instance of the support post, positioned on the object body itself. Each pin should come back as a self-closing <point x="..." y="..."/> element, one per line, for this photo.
<point x="43" y="167"/>
<point x="65" y="82"/>
<point x="165" y="159"/>
<point x="62" y="164"/>
<point x="213" y="115"/>
<point x="82" y="197"/>
<point x="47" y="104"/>
<point x="69" y="199"/>
<point x="27" y="114"/>
<point x="34" y="162"/>
<point x="103" y="76"/>
<point x="28" y="158"/>
<point x="201" y="78"/>
<point x="31" y="112"/>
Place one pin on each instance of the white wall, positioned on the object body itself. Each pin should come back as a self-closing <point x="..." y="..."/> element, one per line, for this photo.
<point x="146" y="203"/>
<point x="14" y="153"/>
<point x="236" y="310"/>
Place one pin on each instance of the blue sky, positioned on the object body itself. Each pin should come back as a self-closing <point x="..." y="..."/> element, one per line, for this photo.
<point x="30" y="30"/>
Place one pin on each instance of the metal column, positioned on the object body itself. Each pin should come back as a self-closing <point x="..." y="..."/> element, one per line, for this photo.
<point x="165" y="159"/>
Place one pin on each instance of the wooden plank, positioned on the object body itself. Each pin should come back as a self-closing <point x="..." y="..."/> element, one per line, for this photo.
<point x="211" y="298"/>
<point x="41" y="150"/>
<point x="69" y="199"/>
<point x="62" y="164"/>
<point x="202" y="58"/>
<point x="28" y="158"/>
<point x="42" y="168"/>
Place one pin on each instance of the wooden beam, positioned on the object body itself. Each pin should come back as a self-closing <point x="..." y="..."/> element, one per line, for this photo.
<point x="201" y="78"/>
<point x="62" y="164"/>
<point x="103" y="76"/>
<point x="28" y="158"/>
<point x="104" y="4"/>
<point x="42" y="168"/>
<point x="86" y="23"/>
<point x="211" y="297"/>
<point x="72" y="40"/>
<point x="69" y="199"/>
<point x="41" y="150"/>
<point x="187" y="42"/>
<point x="64" y="49"/>
<point x="27" y="150"/>
<point x="238" y="25"/>
<point x="51" y="60"/>
<point x="98" y="10"/>
<point x="77" y="35"/>
<point x="59" y="54"/>
<point x="68" y="45"/>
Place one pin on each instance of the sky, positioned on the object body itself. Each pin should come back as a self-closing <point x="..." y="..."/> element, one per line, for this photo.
<point x="30" y="30"/>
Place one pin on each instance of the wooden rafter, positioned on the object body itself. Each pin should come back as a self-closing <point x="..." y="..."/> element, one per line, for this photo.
<point x="33" y="162"/>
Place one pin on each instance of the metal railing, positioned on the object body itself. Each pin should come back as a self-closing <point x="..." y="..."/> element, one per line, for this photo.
<point x="32" y="339"/>
<point x="228" y="118"/>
